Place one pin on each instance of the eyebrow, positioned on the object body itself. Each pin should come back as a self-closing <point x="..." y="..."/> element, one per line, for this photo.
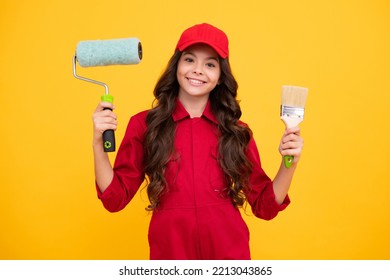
<point x="211" y="57"/>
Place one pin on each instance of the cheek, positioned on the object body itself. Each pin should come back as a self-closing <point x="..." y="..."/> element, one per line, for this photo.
<point x="179" y="73"/>
<point x="180" y="76"/>
<point x="215" y="77"/>
<point x="217" y="74"/>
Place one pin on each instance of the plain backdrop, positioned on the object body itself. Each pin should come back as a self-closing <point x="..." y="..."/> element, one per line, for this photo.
<point x="339" y="49"/>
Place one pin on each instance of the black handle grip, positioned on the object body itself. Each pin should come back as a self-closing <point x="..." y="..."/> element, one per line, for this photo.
<point x="109" y="139"/>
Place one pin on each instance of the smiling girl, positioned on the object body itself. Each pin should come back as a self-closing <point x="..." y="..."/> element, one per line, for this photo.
<point x="200" y="160"/>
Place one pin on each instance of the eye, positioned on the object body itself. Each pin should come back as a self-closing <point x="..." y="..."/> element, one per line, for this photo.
<point x="188" y="59"/>
<point x="210" y="65"/>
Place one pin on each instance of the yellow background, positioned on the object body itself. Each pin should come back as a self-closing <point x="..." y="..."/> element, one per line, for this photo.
<point x="339" y="49"/>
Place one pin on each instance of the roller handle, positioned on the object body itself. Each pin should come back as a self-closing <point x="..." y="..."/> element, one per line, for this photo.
<point x="109" y="139"/>
<point x="108" y="135"/>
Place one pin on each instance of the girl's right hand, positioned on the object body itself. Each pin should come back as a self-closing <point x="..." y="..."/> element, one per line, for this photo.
<point x="102" y="121"/>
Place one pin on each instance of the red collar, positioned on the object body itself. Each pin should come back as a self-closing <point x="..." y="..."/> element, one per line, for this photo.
<point x="180" y="112"/>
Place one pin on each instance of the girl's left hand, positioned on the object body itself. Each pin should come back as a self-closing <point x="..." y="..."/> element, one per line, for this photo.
<point x="291" y="143"/>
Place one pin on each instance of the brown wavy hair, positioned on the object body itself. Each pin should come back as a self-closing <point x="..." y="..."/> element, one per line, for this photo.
<point x="233" y="140"/>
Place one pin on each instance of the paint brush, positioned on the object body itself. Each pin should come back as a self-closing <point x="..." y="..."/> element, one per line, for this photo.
<point x="292" y="110"/>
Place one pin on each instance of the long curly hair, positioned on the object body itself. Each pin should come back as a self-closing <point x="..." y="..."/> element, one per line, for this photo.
<point x="233" y="140"/>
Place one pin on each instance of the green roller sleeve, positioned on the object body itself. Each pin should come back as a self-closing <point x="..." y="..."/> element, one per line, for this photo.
<point x="108" y="135"/>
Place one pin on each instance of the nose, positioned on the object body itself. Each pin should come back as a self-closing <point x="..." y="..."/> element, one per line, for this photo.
<point x="198" y="69"/>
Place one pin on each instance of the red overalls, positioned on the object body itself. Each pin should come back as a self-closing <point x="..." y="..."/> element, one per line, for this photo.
<point x="195" y="218"/>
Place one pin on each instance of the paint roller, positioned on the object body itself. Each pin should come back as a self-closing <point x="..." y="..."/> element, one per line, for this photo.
<point x="102" y="53"/>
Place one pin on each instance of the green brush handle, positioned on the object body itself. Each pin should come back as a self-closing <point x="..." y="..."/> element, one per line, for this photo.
<point x="288" y="160"/>
<point x="108" y="135"/>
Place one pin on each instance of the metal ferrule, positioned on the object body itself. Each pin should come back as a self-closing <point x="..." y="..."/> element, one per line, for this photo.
<point x="290" y="111"/>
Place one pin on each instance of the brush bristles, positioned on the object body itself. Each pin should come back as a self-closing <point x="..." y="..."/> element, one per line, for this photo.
<point x="294" y="96"/>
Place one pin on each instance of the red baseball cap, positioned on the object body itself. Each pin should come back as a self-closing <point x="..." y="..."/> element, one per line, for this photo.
<point x="206" y="34"/>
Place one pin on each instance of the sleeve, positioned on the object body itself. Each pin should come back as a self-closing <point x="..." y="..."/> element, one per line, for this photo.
<point x="128" y="168"/>
<point x="261" y="195"/>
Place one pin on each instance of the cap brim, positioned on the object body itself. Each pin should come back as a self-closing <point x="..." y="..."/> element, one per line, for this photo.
<point x="187" y="44"/>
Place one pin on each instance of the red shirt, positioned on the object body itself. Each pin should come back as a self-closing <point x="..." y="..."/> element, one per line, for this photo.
<point x="195" y="219"/>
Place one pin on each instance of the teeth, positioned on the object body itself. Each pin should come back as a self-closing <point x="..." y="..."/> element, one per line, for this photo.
<point x="196" y="82"/>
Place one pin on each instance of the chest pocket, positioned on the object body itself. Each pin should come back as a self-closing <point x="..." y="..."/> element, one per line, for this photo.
<point x="217" y="177"/>
<point x="172" y="170"/>
<point x="211" y="178"/>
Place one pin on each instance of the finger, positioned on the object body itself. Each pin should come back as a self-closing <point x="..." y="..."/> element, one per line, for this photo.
<point x="100" y="127"/>
<point x="104" y="105"/>
<point x="291" y="138"/>
<point x="104" y="113"/>
<point x="292" y="152"/>
<point x="291" y="148"/>
<point x="104" y="117"/>
<point x="106" y="126"/>
<point x="105" y="120"/>
<point x="293" y="130"/>
<point x="291" y="145"/>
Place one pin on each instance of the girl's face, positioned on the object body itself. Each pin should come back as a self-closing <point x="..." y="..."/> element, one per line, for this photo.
<point x="198" y="71"/>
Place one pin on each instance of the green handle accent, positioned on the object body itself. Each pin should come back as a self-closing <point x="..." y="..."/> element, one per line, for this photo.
<point x="288" y="160"/>
<point x="107" y="98"/>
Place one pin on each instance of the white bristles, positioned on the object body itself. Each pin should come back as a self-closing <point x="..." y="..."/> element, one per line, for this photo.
<point x="294" y="96"/>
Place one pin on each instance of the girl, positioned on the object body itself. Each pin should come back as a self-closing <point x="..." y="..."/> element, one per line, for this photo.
<point x="200" y="161"/>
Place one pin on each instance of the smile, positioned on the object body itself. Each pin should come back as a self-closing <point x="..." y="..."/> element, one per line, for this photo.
<point x="195" y="82"/>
